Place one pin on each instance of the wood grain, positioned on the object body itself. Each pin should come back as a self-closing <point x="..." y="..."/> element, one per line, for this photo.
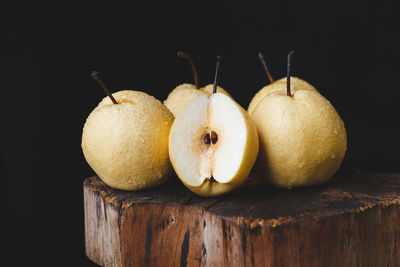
<point x="354" y="220"/>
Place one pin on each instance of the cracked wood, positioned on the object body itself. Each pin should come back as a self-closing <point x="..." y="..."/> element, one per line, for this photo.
<point x="353" y="220"/>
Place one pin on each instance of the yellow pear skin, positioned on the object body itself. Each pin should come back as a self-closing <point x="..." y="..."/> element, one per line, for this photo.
<point x="126" y="144"/>
<point x="302" y="138"/>
<point x="296" y="84"/>
<point x="184" y="93"/>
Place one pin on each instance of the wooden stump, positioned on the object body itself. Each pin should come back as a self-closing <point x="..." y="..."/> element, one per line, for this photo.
<point x="354" y="220"/>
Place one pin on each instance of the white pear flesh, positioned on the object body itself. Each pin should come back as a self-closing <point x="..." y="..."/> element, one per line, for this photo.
<point x="229" y="160"/>
<point x="184" y="93"/>
<point x="302" y="138"/>
<point x="126" y="144"/>
<point x="295" y="84"/>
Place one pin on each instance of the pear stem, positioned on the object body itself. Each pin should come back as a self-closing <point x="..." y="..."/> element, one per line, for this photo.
<point x="219" y="58"/>
<point x="182" y="54"/>
<point x="270" y="78"/>
<point x="95" y="75"/>
<point x="289" y="57"/>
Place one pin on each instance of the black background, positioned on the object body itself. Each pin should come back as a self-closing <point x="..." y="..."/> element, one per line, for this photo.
<point x="348" y="50"/>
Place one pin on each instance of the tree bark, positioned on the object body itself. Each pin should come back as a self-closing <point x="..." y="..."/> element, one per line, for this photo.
<point x="353" y="220"/>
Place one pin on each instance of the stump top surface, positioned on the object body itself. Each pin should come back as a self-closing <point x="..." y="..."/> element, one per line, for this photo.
<point x="354" y="192"/>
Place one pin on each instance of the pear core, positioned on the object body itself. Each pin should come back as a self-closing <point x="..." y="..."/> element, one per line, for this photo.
<point x="302" y="138"/>
<point x="126" y="144"/>
<point x="213" y="138"/>
<point x="184" y="93"/>
<point x="295" y="84"/>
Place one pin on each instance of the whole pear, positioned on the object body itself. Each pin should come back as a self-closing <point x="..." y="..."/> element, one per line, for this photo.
<point x="302" y="138"/>
<point x="126" y="143"/>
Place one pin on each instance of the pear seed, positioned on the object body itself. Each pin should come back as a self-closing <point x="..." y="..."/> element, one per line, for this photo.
<point x="214" y="137"/>
<point x="207" y="139"/>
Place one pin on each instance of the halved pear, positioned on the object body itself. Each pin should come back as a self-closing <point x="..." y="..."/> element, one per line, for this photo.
<point x="213" y="145"/>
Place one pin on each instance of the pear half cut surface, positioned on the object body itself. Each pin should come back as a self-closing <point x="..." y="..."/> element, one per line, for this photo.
<point x="213" y="145"/>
